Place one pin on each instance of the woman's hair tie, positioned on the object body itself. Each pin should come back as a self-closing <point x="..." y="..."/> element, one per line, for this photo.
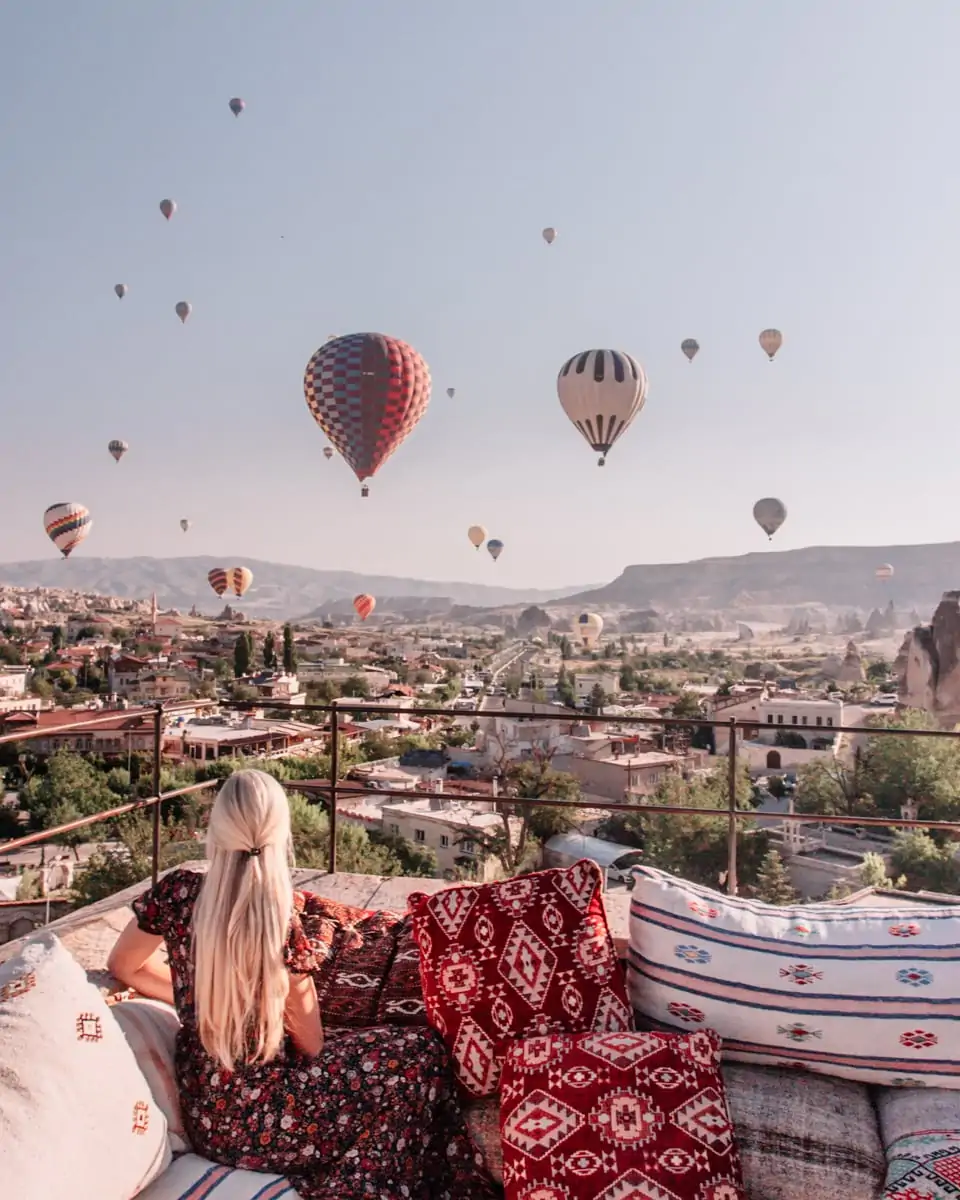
<point x="254" y="852"/>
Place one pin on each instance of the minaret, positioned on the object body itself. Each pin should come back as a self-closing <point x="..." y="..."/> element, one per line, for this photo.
<point x="153" y="612"/>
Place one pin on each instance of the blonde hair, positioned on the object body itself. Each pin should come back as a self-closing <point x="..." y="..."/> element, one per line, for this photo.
<point x="241" y="921"/>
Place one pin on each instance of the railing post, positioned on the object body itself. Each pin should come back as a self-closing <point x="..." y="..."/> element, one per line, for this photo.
<point x="334" y="776"/>
<point x="157" y="739"/>
<point x="732" y="820"/>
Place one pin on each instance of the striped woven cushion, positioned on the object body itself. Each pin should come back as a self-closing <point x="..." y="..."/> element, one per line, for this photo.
<point x="861" y="993"/>
<point x="151" y="1032"/>
<point x="194" y="1178"/>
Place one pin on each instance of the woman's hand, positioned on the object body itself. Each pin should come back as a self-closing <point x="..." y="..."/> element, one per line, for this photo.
<point x="136" y="960"/>
<point x="302" y="1015"/>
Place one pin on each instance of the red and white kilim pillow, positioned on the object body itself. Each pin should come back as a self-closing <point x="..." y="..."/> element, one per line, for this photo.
<point x="529" y="955"/>
<point x="617" y="1116"/>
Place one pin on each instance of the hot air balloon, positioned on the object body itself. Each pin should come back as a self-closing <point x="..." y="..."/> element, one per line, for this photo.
<point x="184" y="524"/>
<point x="451" y="392"/>
<point x="240" y="579"/>
<point x="168" y="208"/>
<point x="477" y="535"/>
<point x="364" y="604"/>
<point x="588" y="628"/>
<point x="120" y="289"/>
<point x="549" y="235"/>
<point x="494" y="548"/>
<point x="884" y="571"/>
<point x="183" y="310"/>
<point x="769" y="514"/>
<point x="367" y="392"/>
<point x="690" y="346"/>
<point x="67" y="525"/>
<point x="237" y="106"/>
<point x="118" y="449"/>
<point x="770" y="342"/>
<point x="601" y="391"/>
<point x="328" y="452"/>
<point x="217" y="578"/>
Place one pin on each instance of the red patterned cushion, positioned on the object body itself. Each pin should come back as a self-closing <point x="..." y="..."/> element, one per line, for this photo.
<point x="529" y="955"/>
<point x="617" y="1116"/>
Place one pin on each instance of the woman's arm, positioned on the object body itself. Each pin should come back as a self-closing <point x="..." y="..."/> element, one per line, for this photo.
<point x="136" y="961"/>
<point x="302" y="1015"/>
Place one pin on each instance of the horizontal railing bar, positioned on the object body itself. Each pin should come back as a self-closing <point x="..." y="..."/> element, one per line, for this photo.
<point x="108" y="814"/>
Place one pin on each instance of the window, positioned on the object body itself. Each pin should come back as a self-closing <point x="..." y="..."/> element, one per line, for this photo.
<point x="779" y="718"/>
<point x="829" y="720"/>
<point x="793" y="720"/>
<point x="419" y="835"/>
<point x="468" y="847"/>
<point x="769" y="718"/>
<point x="444" y="841"/>
<point x="394" y="828"/>
<point x="819" y="720"/>
<point x="803" y="720"/>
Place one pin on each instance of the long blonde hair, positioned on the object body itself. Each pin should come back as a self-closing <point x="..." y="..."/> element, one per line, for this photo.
<point x="241" y="921"/>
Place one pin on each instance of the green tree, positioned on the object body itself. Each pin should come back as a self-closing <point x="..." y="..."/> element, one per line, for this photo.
<point x="41" y="686"/>
<point x="913" y="770"/>
<point x="873" y="873"/>
<point x="110" y="869"/>
<point x="70" y="788"/>
<point x="566" y="692"/>
<point x="270" y="651"/>
<point x="565" y="648"/>
<point x="598" y="698"/>
<point x="925" y="865"/>
<point x="773" y="884"/>
<point x="56" y="639"/>
<point x="879" y="671"/>
<point x="687" y="706"/>
<point x="628" y="678"/>
<point x="833" y="786"/>
<point x="355" y="686"/>
<point x="289" y="651"/>
<point x="418" y="861"/>
<point x="241" y="655"/>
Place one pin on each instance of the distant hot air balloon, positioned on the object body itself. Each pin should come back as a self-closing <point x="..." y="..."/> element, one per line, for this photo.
<point x="494" y="548"/>
<point x="184" y="524"/>
<point x="240" y="579"/>
<point x="217" y="578"/>
<point x="477" y="535"/>
<point x="118" y="449"/>
<point x="549" y="235"/>
<point x="364" y="604"/>
<point x="168" y="208"/>
<point x="367" y="392"/>
<point x="588" y="628"/>
<point x="690" y="346"/>
<point x="183" y="310"/>
<point x="237" y="106"/>
<point x="770" y="342"/>
<point x="601" y="391"/>
<point x="451" y="392"/>
<point x="769" y="513"/>
<point x="884" y="571"/>
<point x="67" y="525"/>
<point x="328" y="452"/>
<point x="120" y="289"/>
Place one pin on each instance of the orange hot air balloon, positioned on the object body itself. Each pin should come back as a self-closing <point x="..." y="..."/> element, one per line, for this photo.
<point x="240" y="579"/>
<point x="364" y="604"/>
<point x="217" y="578"/>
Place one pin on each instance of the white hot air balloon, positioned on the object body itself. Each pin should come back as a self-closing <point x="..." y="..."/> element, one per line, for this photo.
<point x="477" y="535"/>
<point x="549" y="235"/>
<point x="183" y="310"/>
<point x="588" y="627"/>
<point x="770" y="342"/>
<point x="884" y="571"/>
<point x="601" y="391"/>
<point x="117" y="449"/>
<point x="690" y="346"/>
<point x="769" y="513"/>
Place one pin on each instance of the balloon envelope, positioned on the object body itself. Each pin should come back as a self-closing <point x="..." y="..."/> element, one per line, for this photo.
<point x="217" y="578"/>
<point x="588" y="628"/>
<point x="184" y="524"/>
<point x="495" y="548"/>
<point x="364" y="604"/>
<point x="328" y="452"/>
<point x="168" y="208"/>
<point x="884" y="571"/>
<point x="690" y="346"/>
<point x="120" y="289"/>
<point x="367" y="392"/>
<point x="769" y="513"/>
<point x="183" y="310"/>
<point x="477" y="535"/>
<point x="237" y="106"/>
<point x="240" y="579"/>
<point x="601" y="391"/>
<point x="451" y="392"/>
<point x="67" y="525"/>
<point x="770" y="342"/>
<point x="549" y="235"/>
<point x="118" y="449"/>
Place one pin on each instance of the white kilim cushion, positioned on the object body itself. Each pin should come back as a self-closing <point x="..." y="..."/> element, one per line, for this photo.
<point x="76" y="1115"/>
<point x="861" y="993"/>
<point x="150" y="1028"/>
<point x="194" y="1178"/>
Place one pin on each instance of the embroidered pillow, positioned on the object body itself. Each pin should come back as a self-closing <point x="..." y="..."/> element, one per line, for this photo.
<point x="150" y="1028"/>
<point x="528" y="955"/>
<point x="617" y="1115"/>
<point x="75" y="1109"/>
<point x="871" y="994"/>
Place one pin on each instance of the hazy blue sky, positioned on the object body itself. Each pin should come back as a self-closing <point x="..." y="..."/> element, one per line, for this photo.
<point x="712" y="167"/>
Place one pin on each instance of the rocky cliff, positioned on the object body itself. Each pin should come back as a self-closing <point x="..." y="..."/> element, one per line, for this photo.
<point x="928" y="665"/>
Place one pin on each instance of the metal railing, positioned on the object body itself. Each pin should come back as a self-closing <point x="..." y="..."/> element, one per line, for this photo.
<point x="334" y="788"/>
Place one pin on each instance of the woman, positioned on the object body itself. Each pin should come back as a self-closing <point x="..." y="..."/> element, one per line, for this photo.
<point x="361" y="1112"/>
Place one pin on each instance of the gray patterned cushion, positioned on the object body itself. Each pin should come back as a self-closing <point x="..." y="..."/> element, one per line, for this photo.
<point x="920" y="1129"/>
<point x="804" y="1136"/>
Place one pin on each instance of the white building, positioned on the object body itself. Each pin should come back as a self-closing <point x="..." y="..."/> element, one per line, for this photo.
<point x="13" y="680"/>
<point x="444" y="826"/>
<point x="584" y="685"/>
<point x="502" y="739"/>
<point x="764" y="715"/>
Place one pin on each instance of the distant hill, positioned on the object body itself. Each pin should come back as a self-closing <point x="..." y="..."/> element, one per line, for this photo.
<point x="278" y="590"/>
<point x="838" y="576"/>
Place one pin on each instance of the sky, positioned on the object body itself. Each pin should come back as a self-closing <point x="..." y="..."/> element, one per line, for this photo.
<point x="712" y="169"/>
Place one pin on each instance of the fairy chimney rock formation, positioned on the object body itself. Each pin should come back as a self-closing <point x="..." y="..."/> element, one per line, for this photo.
<point x="928" y="665"/>
<point x="851" y="669"/>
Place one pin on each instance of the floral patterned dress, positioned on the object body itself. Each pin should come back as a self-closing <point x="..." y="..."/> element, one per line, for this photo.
<point x="374" y="1115"/>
